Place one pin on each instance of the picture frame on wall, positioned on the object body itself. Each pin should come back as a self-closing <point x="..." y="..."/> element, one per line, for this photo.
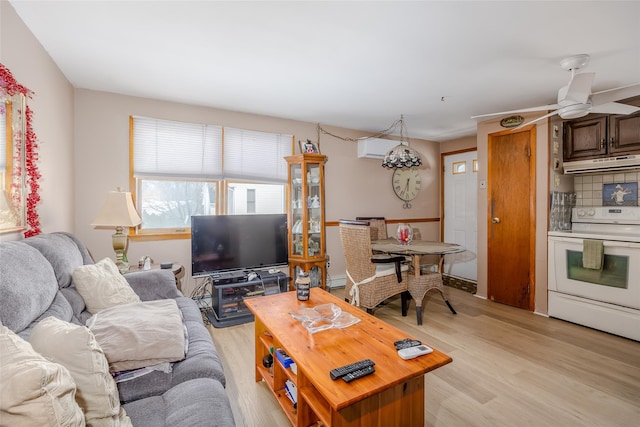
<point x="620" y="194"/>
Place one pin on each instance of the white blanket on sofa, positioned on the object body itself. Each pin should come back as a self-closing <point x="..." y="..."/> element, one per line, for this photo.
<point x="140" y="334"/>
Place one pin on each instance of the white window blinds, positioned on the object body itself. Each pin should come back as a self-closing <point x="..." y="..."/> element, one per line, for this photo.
<point x="176" y="149"/>
<point x="256" y="156"/>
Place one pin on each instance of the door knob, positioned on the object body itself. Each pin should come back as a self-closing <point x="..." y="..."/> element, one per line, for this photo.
<point x="495" y="220"/>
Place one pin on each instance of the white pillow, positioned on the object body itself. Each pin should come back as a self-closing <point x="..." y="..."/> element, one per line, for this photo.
<point x="75" y="348"/>
<point x="102" y="286"/>
<point x="140" y="335"/>
<point x="34" y="391"/>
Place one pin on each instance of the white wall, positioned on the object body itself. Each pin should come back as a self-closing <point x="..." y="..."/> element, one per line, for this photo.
<point x="354" y="187"/>
<point x="52" y="105"/>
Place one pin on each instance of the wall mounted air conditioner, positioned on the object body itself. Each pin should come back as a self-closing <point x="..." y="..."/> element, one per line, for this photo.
<point x="375" y="148"/>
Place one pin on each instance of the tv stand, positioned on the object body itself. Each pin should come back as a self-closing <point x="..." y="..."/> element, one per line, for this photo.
<point x="230" y="289"/>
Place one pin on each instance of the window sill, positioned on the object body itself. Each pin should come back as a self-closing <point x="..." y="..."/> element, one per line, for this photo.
<point x="145" y="237"/>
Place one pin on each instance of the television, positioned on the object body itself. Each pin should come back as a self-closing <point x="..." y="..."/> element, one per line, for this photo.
<point x="221" y="243"/>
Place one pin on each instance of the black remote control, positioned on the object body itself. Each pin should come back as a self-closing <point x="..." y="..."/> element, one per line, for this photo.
<point x="352" y="367"/>
<point x="406" y="343"/>
<point x="359" y="374"/>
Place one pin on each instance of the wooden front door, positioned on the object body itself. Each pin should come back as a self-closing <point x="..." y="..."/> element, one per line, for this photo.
<point x="511" y="219"/>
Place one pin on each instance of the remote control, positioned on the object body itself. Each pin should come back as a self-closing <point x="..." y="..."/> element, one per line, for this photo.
<point x="406" y="343"/>
<point x="359" y="374"/>
<point x="352" y="367"/>
<point x="411" y="352"/>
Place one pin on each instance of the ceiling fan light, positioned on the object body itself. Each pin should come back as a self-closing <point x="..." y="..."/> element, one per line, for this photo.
<point x="574" y="111"/>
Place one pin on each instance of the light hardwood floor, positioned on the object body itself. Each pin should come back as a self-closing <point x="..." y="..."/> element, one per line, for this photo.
<point x="510" y="368"/>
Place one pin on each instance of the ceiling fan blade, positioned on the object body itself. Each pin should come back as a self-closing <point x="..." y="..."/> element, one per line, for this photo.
<point x="523" y="110"/>
<point x="614" y="108"/>
<point x="579" y="88"/>
<point x="611" y="95"/>
<point x="551" y="114"/>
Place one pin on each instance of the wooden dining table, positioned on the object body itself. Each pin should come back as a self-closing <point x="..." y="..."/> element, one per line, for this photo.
<point x="422" y="281"/>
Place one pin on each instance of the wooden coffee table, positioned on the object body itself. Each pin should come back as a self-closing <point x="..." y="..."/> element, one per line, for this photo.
<point x="393" y="395"/>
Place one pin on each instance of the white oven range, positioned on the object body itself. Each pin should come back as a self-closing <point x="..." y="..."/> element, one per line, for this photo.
<point x="607" y="299"/>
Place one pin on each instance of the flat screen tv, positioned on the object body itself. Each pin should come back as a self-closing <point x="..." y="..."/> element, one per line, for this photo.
<point x="222" y="243"/>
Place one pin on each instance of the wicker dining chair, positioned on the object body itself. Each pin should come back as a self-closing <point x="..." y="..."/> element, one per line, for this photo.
<point x="371" y="279"/>
<point x="378" y="226"/>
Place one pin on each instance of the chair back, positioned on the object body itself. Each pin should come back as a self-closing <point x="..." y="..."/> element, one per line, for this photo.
<point x="355" y="237"/>
<point x="378" y="226"/>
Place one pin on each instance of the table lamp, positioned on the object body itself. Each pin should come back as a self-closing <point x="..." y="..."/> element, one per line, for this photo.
<point x="118" y="211"/>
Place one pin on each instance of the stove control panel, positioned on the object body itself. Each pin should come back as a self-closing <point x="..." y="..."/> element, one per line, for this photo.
<point x="607" y="214"/>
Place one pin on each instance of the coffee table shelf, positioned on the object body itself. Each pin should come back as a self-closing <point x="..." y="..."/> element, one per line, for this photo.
<point x="393" y="395"/>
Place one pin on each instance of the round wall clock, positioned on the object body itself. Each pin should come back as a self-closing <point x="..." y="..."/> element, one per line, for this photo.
<point x="406" y="185"/>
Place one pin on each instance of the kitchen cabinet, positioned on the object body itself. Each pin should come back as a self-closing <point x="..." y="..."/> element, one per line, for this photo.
<point x="585" y="138"/>
<point x="624" y="134"/>
<point x="600" y="135"/>
<point x="305" y="199"/>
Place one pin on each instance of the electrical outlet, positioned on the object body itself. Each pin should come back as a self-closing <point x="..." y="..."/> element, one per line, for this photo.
<point x="328" y="261"/>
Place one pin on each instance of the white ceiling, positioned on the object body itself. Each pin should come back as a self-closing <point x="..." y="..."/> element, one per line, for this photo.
<point x="353" y="64"/>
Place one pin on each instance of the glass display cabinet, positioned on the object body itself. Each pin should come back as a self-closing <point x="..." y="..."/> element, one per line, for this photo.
<point x="305" y="201"/>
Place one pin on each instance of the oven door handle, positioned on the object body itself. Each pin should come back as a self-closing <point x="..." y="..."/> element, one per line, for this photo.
<point x="606" y="243"/>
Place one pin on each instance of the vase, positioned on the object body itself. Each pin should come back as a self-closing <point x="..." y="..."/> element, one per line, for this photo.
<point x="404" y="234"/>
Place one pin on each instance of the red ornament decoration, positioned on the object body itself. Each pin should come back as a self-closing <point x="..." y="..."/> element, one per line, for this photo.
<point x="11" y="87"/>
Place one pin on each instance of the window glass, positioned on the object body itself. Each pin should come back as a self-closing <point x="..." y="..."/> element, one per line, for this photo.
<point x="267" y="198"/>
<point x="459" y="167"/>
<point x="170" y="204"/>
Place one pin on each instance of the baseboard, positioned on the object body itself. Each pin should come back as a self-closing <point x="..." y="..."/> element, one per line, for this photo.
<point x="336" y="282"/>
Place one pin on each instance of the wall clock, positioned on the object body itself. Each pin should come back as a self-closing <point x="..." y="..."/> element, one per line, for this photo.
<point x="406" y="185"/>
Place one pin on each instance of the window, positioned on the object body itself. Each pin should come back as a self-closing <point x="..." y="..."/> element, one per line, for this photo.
<point x="183" y="169"/>
<point x="251" y="200"/>
<point x="459" y="167"/>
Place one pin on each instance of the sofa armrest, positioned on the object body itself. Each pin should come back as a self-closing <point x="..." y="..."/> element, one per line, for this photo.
<point x="153" y="284"/>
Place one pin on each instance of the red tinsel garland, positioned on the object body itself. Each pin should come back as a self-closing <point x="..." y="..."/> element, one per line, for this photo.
<point x="11" y="87"/>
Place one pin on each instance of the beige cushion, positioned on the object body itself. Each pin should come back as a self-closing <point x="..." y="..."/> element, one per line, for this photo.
<point x="139" y="335"/>
<point x="33" y="390"/>
<point x="75" y="347"/>
<point x="102" y="286"/>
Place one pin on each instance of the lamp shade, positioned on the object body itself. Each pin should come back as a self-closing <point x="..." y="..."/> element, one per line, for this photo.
<point x="401" y="156"/>
<point x="117" y="211"/>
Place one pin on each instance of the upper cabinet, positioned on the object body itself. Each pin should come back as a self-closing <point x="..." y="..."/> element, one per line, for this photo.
<point x="596" y="136"/>
<point x="624" y="134"/>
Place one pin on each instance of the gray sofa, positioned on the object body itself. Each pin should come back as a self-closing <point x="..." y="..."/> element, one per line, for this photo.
<point x="36" y="282"/>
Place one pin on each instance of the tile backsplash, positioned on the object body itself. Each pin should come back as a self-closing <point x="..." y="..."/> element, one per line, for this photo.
<point x="588" y="187"/>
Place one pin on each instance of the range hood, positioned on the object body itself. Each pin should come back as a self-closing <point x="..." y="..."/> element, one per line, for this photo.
<point x="603" y="165"/>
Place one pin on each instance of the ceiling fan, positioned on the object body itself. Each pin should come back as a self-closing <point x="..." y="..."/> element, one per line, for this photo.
<point x="575" y="100"/>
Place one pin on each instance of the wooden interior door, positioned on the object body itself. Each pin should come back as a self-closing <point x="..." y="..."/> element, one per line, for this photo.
<point x="511" y="221"/>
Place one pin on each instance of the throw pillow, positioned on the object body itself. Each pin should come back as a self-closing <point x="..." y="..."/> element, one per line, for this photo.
<point x="75" y="348"/>
<point x="35" y="391"/>
<point x="102" y="286"/>
<point x="139" y="335"/>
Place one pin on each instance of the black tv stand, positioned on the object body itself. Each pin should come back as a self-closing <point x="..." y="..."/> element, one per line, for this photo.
<point x="229" y="290"/>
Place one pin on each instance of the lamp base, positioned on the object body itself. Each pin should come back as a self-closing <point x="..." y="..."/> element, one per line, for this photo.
<point x="123" y="267"/>
<point x="119" y="240"/>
